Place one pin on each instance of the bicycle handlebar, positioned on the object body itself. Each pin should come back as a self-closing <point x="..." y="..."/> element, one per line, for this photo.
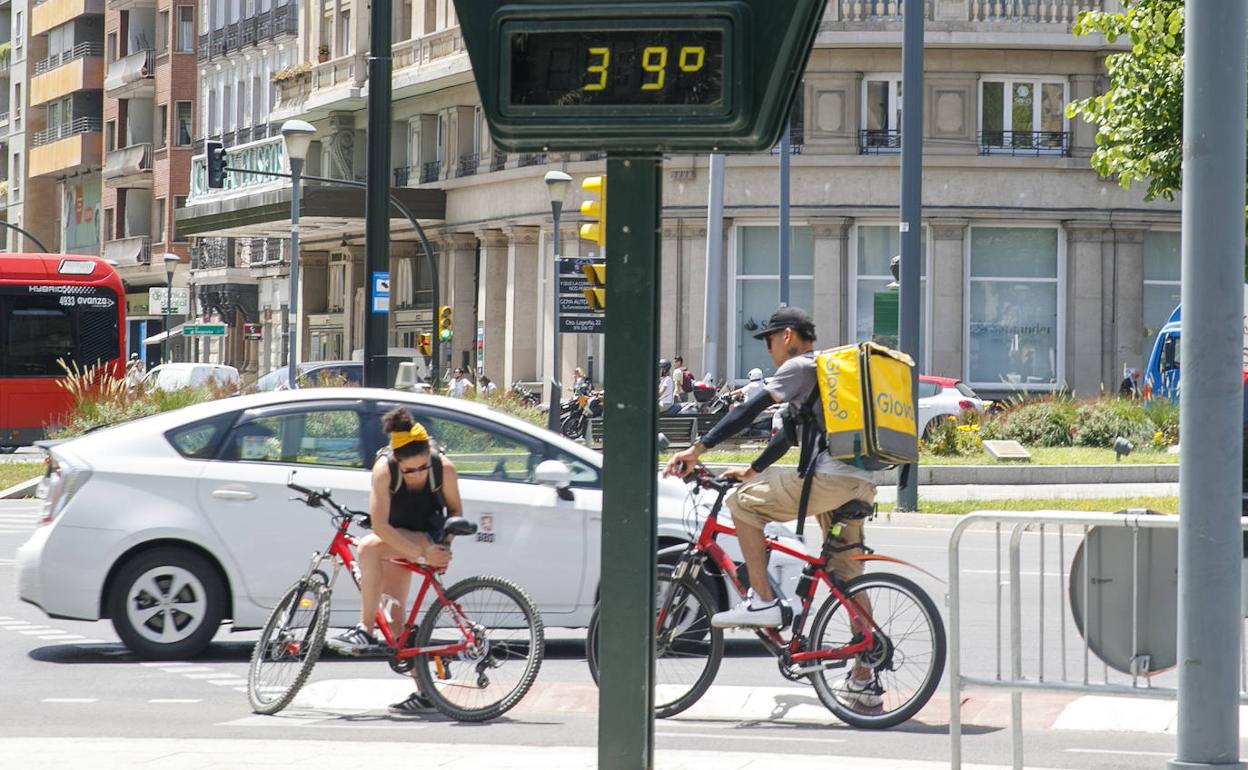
<point x="321" y="498"/>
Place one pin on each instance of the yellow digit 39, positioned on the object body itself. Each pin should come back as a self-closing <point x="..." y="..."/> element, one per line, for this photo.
<point x="599" y="69"/>
<point x="659" y="67"/>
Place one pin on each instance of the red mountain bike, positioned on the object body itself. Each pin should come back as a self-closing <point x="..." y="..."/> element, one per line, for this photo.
<point x="900" y="638"/>
<point x="475" y="653"/>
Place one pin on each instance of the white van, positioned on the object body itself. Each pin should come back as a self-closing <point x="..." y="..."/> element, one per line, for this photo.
<point x="178" y="376"/>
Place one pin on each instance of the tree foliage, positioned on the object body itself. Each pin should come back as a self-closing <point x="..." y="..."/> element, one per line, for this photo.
<point x="1140" y="118"/>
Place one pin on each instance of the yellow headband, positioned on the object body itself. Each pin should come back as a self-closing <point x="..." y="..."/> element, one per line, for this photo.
<point x="400" y="439"/>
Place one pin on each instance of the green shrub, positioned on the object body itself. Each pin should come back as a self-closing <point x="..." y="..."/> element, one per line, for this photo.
<point x="1099" y="422"/>
<point x="1043" y="422"/>
<point x="1164" y="415"/>
<point x="954" y="437"/>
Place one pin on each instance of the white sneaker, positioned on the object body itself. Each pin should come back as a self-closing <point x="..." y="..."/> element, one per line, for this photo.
<point x="752" y="613"/>
<point x="863" y="695"/>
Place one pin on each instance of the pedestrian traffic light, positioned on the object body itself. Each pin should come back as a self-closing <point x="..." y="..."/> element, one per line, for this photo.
<point x="445" y="332"/>
<point x="216" y="164"/>
<point x="595" y="209"/>
<point x="596" y="294"/>
<point x="424" y="343"/>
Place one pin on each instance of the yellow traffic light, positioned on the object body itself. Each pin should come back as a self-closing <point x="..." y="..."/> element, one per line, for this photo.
<point x="595" y="209"/>
<point x="596" y="294"/>
<point x="424" y="343"/>
<point x="445" y="323"/>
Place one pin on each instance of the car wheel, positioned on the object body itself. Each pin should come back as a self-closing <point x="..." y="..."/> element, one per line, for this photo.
<point x="167" y="603"/>
<point x="931" y="426"/>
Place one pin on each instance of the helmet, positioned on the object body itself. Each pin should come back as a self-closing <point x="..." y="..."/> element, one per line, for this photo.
<point x="756" y="375"/>
<point x="664" y="365"/>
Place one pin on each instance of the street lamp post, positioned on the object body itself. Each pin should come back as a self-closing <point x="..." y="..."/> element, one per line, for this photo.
<point x="297" y="135"/>
<point x="171" y="262"/>
<point x="557" y="184"/>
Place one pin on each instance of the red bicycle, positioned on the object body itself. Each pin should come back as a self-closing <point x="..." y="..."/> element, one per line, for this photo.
<point x="476" y="652"/>
<point x="879" y="622"/>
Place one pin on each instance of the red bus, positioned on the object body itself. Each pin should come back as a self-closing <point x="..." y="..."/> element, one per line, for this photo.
<point x="53" y="307"/>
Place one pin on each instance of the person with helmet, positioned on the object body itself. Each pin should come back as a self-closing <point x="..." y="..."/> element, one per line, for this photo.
<point x="667" y="388"/>
<point x="747" y="391"/>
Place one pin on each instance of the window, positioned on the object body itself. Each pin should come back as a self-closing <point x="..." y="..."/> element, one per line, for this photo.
<point x="17" y="104"/>
<point x="318" y="437"/>
<point x="36" y="331"/>
<point x="1161" y="279"/>
<point x="583" y="474"/>
<point x="162" y="126"/>
<point x="1013" y="307"/>
<point x="186" y="29"/>
<point x="110" y="128"/>
<point x="1023" y="115"/>
<point x="337" y="287"/>
<point x="185" y="117"/>
<point x="162" y="32"/>
<point x="402" y="288"/>
<point x="200" y="440"/>
<point x="881" y="114"/>
<point x="344" y="27"/>
<point x="112" y="46"/>
<point x="109" y="232"/>
<point x="483" y="453"/>
<point x="928" y="389"/>
<point x="876" y="246"/>
<point x="758" y="286"/>
<point x="158" y="221"/>
<point x="20" y="28"/>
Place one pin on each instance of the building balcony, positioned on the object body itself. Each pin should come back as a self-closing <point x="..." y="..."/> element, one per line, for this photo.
<point x="80" y="69"/>
<point x="53" y="13"/>
<point x="260" y="28"/>
<point x="129" y="167"/>
<point x="873" y="141"/>
<point x="69" y="147"/>
<point x="132" y="77"/>
<point x="130" y="5"/>
<point x="136" y="250"/>
<point x="1024" y="143"/>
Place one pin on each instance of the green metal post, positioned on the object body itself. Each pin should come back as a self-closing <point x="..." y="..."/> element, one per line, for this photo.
<point x="630" y="485"/>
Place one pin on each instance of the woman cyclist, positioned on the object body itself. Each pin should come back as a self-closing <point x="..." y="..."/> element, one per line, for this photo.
<point x="414" y="490"/>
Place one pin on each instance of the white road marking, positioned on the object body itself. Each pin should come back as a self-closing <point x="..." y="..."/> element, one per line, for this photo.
<point x="175" y="700"/>
<point x="205" y="675"/>
<point x="233" y="681"/>
<point x="60" y="637"/>
<point x="183" y="668"/>
<point x="13" y="625"/>
<point x="1120" y="751"/>
<point x="71" y="700"/>
<point x="1023" y="573"/>
<point x="721" y="736"/>
<point x="31" y="630"/>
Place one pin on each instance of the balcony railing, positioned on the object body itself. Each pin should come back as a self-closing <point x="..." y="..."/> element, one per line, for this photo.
<point x="4" y="118"/>
<point x="134" y="250"/>
<point x="797" y="137"/>
<point x="468" y="165"/>
<point x="85" y="125"/>
<point x="273" y="250"/>
<point x="531" y="159"/>
<point x="1040" y="11"/>
<point x="872" y="141"/>
<point x="499" y="161"/>
<point x="128" y="161"/>
<point x="402" y="175"/>
<point x="877" y="10"/>
<point x="80" y="51"/>
<point x="430" y="171"/>
<point x="201" y="51"/>
<point x="213" y="254"/>
<point x="129" y="69"/>
<point x="1024" y="143"/>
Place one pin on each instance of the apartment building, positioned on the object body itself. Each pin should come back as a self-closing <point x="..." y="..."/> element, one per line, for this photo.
<point x="1037" y="274"/>
<point x="148" y="122"/>
<point x="22" y="52"/>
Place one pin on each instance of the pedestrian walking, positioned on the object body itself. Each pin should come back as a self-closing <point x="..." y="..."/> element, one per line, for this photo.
<point x="459" y="384"/>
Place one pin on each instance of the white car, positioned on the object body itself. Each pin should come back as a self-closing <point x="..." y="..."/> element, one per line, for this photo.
<point x="173" y="523"/>
<point x="190" y="375"/>
<point x="944" y="397"/>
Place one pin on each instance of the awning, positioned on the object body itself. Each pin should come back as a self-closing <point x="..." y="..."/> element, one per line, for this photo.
<point x="156" y="339"/>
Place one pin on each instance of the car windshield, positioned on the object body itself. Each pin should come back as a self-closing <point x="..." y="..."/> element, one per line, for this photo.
<point x="927" y="389"/>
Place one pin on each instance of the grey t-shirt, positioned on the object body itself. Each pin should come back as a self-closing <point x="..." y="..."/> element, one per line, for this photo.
<point x="794" y="381"/>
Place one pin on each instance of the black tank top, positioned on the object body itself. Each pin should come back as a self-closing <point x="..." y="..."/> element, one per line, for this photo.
<point x="418" y="510"/>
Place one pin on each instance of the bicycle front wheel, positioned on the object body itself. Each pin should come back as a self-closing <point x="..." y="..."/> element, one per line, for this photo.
<point x="687" y="648"/>
<point x="288" y="647"/>
<point x="488" y="678"/>
<point x="906" y="661"/>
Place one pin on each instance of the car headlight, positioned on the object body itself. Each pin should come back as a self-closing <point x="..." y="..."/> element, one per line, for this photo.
<point x="61" y="481"/>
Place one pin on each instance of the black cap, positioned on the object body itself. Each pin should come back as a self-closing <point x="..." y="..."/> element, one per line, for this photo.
<point x="787" y="318"/>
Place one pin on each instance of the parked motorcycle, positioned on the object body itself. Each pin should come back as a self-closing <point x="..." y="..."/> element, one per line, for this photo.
<point x="580" y="409"/>
<point x="524" y="395"/>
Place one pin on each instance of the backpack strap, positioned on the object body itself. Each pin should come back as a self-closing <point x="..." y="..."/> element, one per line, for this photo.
<point x="434" y="483"/>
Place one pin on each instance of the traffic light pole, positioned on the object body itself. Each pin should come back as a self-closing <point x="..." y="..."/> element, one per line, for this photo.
<point x="630" y="485"/>
<point x="911" y="221"/>
<point x="377" y="200"/>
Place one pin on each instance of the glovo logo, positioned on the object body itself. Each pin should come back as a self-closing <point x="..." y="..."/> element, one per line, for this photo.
<point x="886" y="404"/>
<point x="831" y="375"/>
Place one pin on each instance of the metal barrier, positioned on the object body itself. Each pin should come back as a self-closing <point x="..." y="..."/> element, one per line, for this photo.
<point x="1063" y="524"/>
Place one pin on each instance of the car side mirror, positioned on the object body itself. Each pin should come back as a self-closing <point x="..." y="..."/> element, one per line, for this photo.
<point x="553" y="473"/>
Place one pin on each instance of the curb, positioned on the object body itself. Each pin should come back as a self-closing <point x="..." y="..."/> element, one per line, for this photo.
<point x="25" y="489"/>
<point x="1018" y="475"/>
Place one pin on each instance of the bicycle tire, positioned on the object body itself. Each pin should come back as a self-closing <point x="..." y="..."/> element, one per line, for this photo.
<point x="695" y="607"/>
<point x="902" y="697"/>
<point x="274" y="639"/>
<point x="433" y="674"/>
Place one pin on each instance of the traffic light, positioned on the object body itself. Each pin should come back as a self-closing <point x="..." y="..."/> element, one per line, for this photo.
<point x="424" y="343"/>
<point x="216" y="164"/>
<point x="445" y="332"/>
<point x="596" y="294"/>
<point x="595" y="209"/>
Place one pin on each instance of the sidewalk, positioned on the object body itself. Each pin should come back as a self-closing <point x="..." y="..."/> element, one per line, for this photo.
<point x="201" y="754"/>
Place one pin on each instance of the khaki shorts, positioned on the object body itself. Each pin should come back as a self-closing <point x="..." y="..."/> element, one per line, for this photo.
<point x="776" y="493"/>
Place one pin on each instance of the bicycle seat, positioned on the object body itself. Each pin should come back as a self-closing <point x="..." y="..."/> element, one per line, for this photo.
<point x="458" y="525"/>
<point x="854" y="509"/>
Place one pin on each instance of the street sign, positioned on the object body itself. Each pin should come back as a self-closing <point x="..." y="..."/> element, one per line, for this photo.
<point x="253" y="331"/>
<point x="573" y="284"/>
<point x="573" y="304"/>
<point x="583" y="324"/>
<point x="204" y="330"/>
<point x="181" y="304"/>
<point x="693" y="76"/>
<point x="381" y="292"/>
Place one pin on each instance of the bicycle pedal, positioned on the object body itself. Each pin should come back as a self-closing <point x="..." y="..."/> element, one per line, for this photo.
<point x="786" y="614"/>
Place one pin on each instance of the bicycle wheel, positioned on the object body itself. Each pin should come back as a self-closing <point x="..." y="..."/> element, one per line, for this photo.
<point x="688" y="649"/>
<point x="288" y="647"/>
<point x="487" y="679"/>
<point x="908" y="658"/>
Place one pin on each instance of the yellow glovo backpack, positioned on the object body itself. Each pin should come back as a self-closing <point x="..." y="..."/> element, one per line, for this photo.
<point x="868" y="405"/>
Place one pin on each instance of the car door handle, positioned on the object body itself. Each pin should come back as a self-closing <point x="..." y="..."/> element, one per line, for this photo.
<point x="233" y="494"/>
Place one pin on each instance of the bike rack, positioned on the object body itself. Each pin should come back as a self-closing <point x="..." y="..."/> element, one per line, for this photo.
<point x="1037" y="676"/>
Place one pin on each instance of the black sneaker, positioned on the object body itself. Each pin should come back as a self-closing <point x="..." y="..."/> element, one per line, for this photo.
<point x="415" y="704"/>
<point x="355" y="641"/>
